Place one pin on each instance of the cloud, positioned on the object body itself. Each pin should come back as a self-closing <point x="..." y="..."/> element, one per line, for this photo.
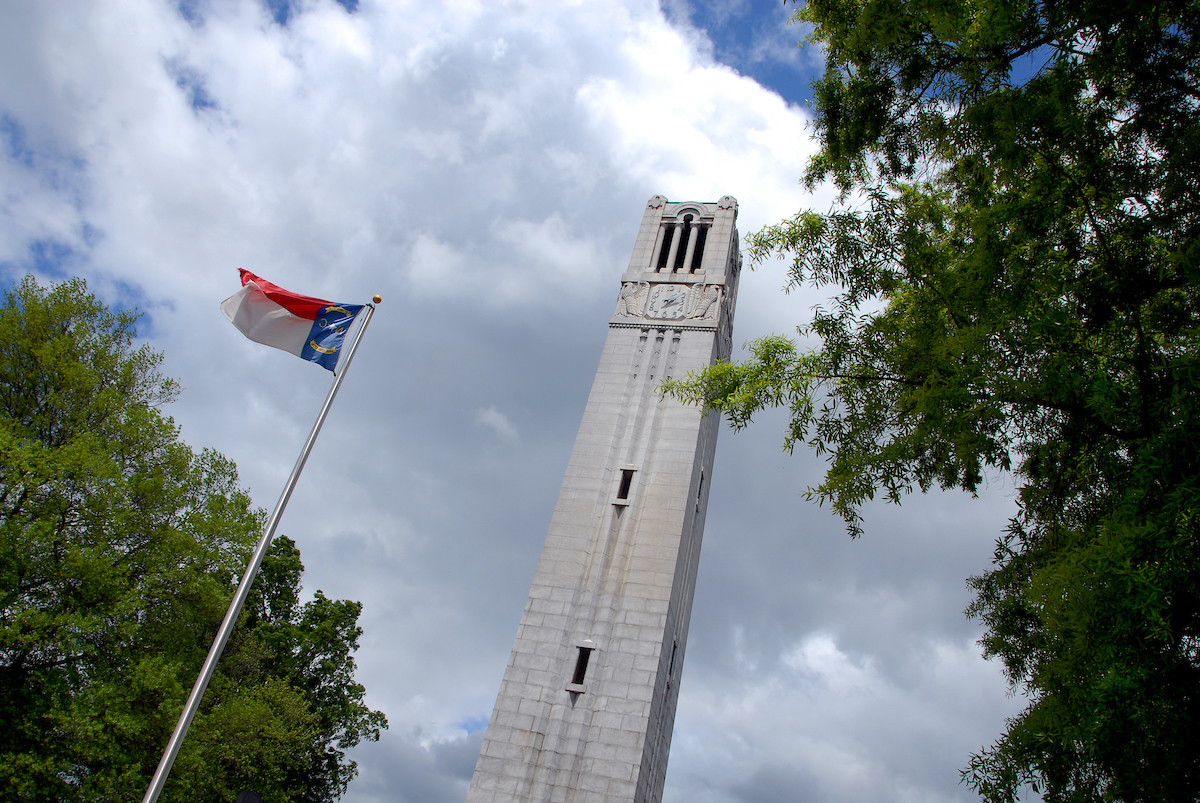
<point x="837" y="725"/>
<point x="681" y="133"/>
<point x="438" y="269"/>
<point x="527" y="263"/>
<point x="406" y="771"/>
<point x="496" y="421"/>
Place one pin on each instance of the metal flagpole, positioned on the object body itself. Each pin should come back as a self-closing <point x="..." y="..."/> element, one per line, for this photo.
<point x="243" y="590"/>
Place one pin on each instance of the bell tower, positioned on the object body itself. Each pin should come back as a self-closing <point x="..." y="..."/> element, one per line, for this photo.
<point x="587" y="704"/>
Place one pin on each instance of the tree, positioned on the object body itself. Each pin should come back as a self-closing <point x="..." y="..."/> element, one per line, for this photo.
<point x="1014" y="266"/>
<point x="119" y="550"/>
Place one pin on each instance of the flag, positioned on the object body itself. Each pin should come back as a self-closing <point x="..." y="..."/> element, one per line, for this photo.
<point x="310" y="328"/>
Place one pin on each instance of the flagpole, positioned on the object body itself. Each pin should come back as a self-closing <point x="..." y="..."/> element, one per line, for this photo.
<point x="243" y="590"/>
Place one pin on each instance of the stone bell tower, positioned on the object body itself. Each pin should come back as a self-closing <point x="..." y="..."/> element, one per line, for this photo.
<point x="587" y="704"/>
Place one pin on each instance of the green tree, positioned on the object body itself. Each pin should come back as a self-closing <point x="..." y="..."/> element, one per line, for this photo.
<point x="119" y="548"/>
<point x="1014" y="269"/>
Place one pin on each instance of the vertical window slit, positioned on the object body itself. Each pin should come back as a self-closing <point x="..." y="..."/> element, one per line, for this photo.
<point x="626" y="481"/>
<point x="581" y="664"/>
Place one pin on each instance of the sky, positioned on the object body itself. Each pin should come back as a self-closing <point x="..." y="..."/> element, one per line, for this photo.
<point x="484" y="167"/>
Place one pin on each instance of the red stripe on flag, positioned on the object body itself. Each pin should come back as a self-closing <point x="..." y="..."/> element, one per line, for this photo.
<point x="305" y="307"/>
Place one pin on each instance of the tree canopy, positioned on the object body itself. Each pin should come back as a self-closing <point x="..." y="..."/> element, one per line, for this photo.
<point x="119" y="551"/>
<point x="1014" y="268"/>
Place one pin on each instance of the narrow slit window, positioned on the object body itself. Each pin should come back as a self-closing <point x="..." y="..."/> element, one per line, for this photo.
<point x="698" y="255"/>
<point x="626" y="481"/>
<point x="664" y="252"/>
<point x="581" y="664"/>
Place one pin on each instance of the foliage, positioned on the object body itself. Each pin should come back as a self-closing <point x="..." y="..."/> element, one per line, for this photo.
<point x="119" y="551"/>
<point x="1014" y="263"/>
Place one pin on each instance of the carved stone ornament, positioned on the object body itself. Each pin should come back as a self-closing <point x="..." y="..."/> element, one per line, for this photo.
<point x="706" y="302"/>
<point x="727" y="202"/>
<point x="656" y="202"/>
<point x="632" y="299"/>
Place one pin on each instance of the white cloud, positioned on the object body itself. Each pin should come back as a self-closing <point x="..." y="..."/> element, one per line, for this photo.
<point x="836" y="726"/>
<point x="526" y="263"/>
<point x="670" y="120"/>
<point x="437" y="268"/>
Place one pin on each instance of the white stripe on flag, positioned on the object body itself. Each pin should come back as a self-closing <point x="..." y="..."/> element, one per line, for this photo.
<point x="263" y="321"/>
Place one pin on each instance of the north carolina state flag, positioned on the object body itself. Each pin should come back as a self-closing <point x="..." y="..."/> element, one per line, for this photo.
<point x="310" y="328"/>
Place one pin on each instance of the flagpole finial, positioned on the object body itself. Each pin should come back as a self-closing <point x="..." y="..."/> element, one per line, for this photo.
<point x="377" y="299"/>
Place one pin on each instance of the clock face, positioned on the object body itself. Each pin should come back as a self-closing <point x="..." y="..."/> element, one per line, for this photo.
<point x="667" y="301"/>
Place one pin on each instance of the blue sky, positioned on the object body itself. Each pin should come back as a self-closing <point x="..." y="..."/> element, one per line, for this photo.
<point x="476" y="163"/>
<point x="755" y="38"/>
